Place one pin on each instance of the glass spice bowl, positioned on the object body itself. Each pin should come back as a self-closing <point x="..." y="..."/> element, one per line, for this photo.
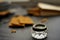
<point x="39" y="31"/>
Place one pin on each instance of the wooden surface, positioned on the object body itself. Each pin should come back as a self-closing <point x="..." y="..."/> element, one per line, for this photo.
<point x="43" y="12"/>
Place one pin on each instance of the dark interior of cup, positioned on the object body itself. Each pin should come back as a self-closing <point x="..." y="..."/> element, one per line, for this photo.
<point x="40" y="25"/>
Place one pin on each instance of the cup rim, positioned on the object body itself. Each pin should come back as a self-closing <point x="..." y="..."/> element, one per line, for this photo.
<point x="40" y="27"/>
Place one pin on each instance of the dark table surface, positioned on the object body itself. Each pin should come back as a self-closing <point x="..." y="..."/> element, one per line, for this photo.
<point x="53" y="25"/>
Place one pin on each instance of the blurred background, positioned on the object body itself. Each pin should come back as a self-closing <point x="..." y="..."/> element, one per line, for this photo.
<point x="28" y="3"/>
<point x="23" y="8"/>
